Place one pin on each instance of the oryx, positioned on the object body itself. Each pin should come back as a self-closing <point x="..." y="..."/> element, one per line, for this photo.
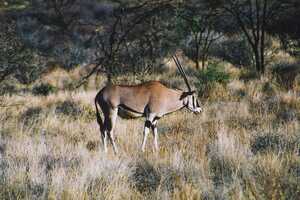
<point x="150" y="99"/>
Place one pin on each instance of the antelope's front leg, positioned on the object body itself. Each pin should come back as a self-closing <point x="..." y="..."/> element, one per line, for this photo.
<point x="148" y="125"/>
<point x="146" y="133"/>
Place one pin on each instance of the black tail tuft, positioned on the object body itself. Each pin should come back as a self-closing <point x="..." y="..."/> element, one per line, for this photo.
<point x="99" y="120"/>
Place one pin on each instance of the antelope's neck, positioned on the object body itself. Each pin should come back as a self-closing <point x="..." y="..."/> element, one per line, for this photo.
<point x="175" y="102"/>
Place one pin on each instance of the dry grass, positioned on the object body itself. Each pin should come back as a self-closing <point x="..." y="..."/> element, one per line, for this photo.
<point x="244" y="147"/>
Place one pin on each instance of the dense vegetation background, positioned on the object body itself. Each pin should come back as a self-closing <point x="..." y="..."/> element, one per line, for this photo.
<point x="241" y="56"/>
<point x="136" y="36"/>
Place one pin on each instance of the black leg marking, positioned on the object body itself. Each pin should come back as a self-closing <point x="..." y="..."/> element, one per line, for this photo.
<point x="148" y="124"/>
<point x="153" y="126"/>
<point x="155" y="119"/>
<point x="108" y="124"/>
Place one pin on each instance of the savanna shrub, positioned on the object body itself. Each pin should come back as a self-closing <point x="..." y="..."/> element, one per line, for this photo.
<point x="88" y="113"/>
<point x="273" y="142"/>
<point x="247" y="75"/>
<point x="43" y="89"/>
<point x="68" y="108"/>
<point x="233" y="50"/>
<point x="285" y="73"/>
<point x="7" y="88"/>
<point x="270" y="88"/>
<point x="209" y="77"/>
<point x="145" y="177"/>
<point x="31" y="114"/>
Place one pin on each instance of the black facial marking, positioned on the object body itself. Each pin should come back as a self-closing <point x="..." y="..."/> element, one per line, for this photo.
<point x="193" y="102"/>
<point x="183" y="95"/>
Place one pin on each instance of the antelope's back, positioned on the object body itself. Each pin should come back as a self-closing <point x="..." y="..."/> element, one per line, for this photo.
<point x="137" y="97"/>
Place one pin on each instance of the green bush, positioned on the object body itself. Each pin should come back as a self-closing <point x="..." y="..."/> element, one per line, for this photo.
<point x="214" y="73"/>
<point x="208" y="77"/>
<point x="43" y="89"/>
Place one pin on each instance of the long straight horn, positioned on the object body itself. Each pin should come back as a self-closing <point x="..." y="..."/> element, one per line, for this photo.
<point x="182" y="72"/>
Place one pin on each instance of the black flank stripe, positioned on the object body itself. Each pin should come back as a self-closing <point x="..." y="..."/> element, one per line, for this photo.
<point x="127" y="108"/>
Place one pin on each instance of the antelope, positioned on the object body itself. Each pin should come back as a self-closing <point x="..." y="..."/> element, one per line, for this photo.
<point x="151" y="100"/>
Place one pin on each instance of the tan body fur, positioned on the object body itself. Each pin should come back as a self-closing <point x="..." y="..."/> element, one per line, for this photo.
<point x="150" y="96"/>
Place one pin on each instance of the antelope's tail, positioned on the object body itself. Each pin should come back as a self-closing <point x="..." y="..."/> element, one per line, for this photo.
<point x="99" y="120"/>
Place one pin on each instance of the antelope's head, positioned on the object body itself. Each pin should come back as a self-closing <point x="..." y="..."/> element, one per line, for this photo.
<point x="189" y="98"/>
<point x="191" y="102"/>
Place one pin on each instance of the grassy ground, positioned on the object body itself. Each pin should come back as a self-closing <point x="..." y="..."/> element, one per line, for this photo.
<point x="245" y="145"/>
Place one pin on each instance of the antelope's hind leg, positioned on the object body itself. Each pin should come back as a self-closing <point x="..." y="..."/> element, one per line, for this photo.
<point x="110" y="124"/>
<point x="106" y="123"/>
<point x="104" y="139"/>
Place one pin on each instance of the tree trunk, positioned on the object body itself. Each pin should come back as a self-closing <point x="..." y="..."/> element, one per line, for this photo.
<point x="257" y="59"/>
<point x="262" y="57"/>
<point x="203" y="61"/>
<point x="196" y="60"/>
<point x="196" y="63"/>
<point x="109" y="74"/>
<point x="262" y="44"/>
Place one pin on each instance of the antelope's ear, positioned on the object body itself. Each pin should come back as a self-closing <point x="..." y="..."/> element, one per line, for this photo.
<point x="185" y="94"/>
